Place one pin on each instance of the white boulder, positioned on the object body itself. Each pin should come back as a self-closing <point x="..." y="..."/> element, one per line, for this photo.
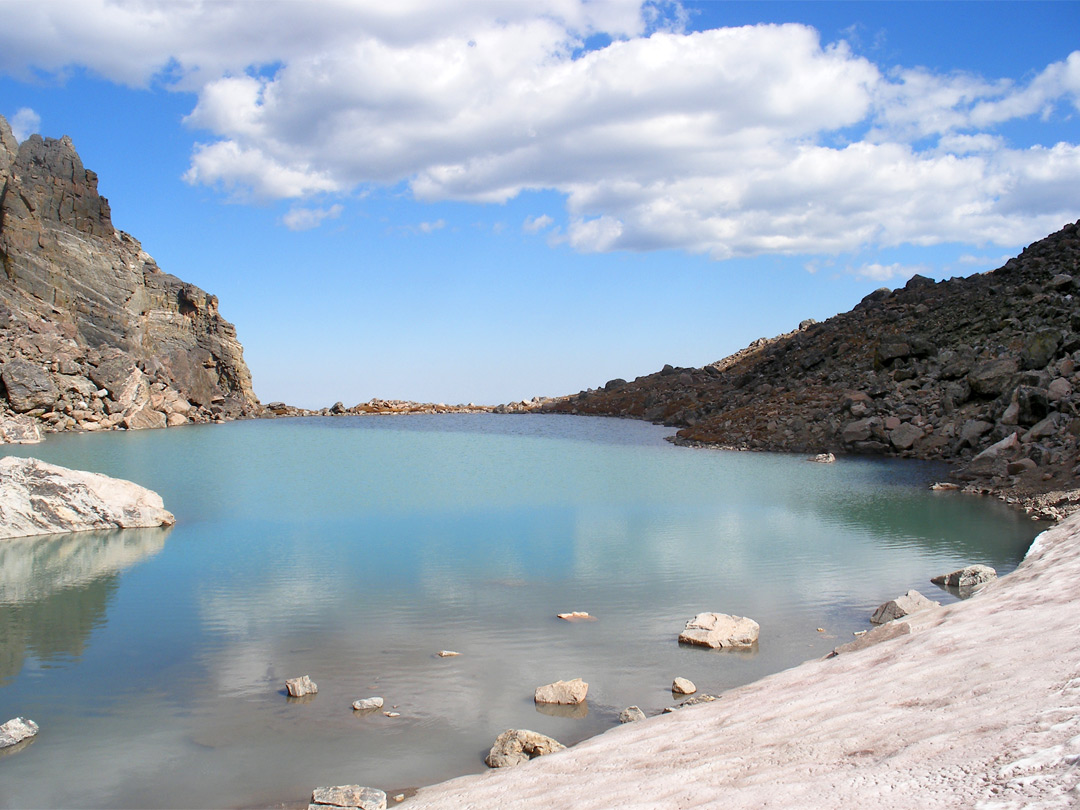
<point x="719" y="630"/>
<point x="39" y="498"/>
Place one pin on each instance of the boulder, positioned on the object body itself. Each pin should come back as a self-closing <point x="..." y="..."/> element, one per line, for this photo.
<point x="145" y="418"/>
<point x="683" y="686"/>
<point x="969" y="577"/>
<point x="515" y="746"/>
<point x="631" y="714"/>
<point x="720" y="630"/>
<point x="973" y="430"/>
<point x="567" y="693"/>
<point x="576" y="616"/>
<point x="447" y="653"/>
<point x="299" y="687"/>
<point x="29" y="386"/>
<point x="20" y="430"/>
<point x="910" y="602"/>
<point x="856" y="431"/>
<point x="15" y="731"/>
<point x="823" y="458"/>
<point x="39" y="498"/>
<point x="352" y="796"/>
<point x="992" y="377"/>
<point x="1039" y="349"/>
<point x="905" y="436"/>
<point x="1003" y="451"/>
<point x="367" y="704"/>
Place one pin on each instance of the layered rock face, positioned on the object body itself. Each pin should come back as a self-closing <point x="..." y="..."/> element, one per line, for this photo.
<point x="92" y="333"/>
<point x="934" y="370"/>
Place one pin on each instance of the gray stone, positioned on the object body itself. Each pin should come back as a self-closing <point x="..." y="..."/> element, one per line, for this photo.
<point x="631" y="714"/>
<point x="352" y="796"/>
<point x="991" y="377"/>
<point x="29" y="386"/>
<point x="973" y="430"/>
<point x="1000" y="452"/>
<point x="299" y="687"/>
<point x="515" y="746"/>
<point x="905" y="436"/>
<point x="367" y="704"/>
<point x="16" y="730"/>
<point x="39" y="498"/>
<point x="911" y="602"/>
<point x="720" y="630"/>
<point x="857" y="431"/>
<point x="1058" y="390"/>
<point x="565" y="693"/>
<point x="1040" y="348"/>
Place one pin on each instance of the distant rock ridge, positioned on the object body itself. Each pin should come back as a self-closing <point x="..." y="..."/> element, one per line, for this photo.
<point x="93" y="335"/>
<point x="982" y="372"/>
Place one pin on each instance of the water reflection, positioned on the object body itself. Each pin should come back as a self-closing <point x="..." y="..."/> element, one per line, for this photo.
<point x="55" y="590"/>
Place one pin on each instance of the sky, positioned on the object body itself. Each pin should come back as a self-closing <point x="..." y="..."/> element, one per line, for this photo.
<point x="484" y="200"/>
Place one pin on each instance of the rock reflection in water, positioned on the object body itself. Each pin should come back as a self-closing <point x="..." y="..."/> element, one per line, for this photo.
<point x="55" y="590"/>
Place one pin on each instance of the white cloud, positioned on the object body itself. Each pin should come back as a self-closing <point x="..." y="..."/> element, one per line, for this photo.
<point x="305" y="219"/>
<point x="537" y="224"/>
<point x="887" y="272"/>
<point x="25" y="123"/>
<point x="728" y="142"/>
<point x="430" y="227"/>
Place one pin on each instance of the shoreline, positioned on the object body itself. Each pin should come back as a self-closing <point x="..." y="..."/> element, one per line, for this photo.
<point x="938" y="718"/>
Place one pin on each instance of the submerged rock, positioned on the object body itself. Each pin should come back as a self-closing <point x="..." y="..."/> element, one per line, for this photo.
<point x="631" y="714"/>
<point x="966" y="578"/>
<point x="910" y="602"/>
<point x="720" y="630"/>
<point x="365" y="798"/>
<point x="39" y="498"/>
<point x="17" y="730"/>
<point x="515" y="746"/>
<point x="367" y="704"/>
<point x="298" y="687"/>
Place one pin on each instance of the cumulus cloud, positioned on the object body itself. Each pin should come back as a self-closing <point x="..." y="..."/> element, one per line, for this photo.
<point x="727" y="142"/>
<point x="25" y="123"/>
<point x="887" y="272"/>
<point x="537" y="224"/>
<point x="305" y="219"/>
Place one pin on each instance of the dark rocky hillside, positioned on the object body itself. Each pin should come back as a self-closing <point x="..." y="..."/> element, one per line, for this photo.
<point x="92" y="333"/>
<point x="983" y="372"/>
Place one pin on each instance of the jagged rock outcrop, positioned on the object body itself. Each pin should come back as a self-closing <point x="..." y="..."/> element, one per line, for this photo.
<point x="92" y="333"/>
<point x="933" y="370"/>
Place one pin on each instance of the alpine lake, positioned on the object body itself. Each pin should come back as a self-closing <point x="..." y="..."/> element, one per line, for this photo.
<point x="353" y="549"/>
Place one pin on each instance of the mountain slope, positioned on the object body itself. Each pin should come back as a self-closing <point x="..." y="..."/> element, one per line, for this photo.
<point x="92" y="333"/>
<point x="934" y="370"/>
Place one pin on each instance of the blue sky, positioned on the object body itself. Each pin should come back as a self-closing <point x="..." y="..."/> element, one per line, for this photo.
<point x="485" y="201"/>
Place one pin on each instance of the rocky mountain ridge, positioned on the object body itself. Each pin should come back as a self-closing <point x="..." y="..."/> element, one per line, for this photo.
<point x="93" y="335"/>
<point x="982" y="372"/>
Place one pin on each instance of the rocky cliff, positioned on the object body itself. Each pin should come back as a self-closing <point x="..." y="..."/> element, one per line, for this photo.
<point x="983" y="372"/>
<point x="92" y="333"/>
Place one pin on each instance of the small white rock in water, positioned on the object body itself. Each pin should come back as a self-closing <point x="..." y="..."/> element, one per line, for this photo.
<point x="683" y="686"/>
<point x="349" y="796"/>
<point x="298" y="687"/>
<point x="447" y="653"/>
<point x="17" y="730"/>
<point x="392" y="714"/>
<point x="910" y="602"/>
<point x="720" y="630"/>
<point x="515" y="746"/>
<point x="566" y="693"/>
<point x="576" y="616"/>
<point x="366" y="704"/>
<point x="944" y="486"/>
<point x="823" y="458"/>
<point x="631" y="714"/>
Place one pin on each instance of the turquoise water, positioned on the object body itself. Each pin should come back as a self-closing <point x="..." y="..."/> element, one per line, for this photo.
<point x="351" y="549"/>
